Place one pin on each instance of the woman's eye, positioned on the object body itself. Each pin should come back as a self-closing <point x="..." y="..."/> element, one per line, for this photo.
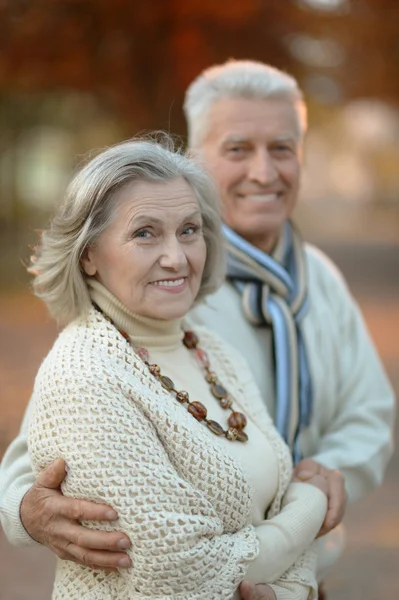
<point x="190" y="230"/>
<point x="142" y="234"/>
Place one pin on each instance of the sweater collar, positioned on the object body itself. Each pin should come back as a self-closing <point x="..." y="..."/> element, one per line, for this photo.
<point x="159" y="334"/>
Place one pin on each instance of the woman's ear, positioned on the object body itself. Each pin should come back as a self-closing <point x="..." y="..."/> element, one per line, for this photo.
<point x="88" y="263"/>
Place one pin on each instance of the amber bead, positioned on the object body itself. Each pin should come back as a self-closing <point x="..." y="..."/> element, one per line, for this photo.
<point x="226" y="402"/>
<point x="215" y="427"/>
<point x="124" y="334"/>
<point x="154" y="370"/>
<point x="232" y="433"/>
<point x="167" y="382"/>
<point x="237" y="420"/>
<point x="198" y="410"/>
<point x="242" y="436"/>
<point x="219" y="391"/>
<point x="182" y="396"/>
<point x="143" y="353"/>
<point x="190" y="340"/>
<point x="211" y="377"/>
<point x="203" y="358"/>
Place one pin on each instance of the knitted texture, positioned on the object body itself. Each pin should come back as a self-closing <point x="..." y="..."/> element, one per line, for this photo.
<point x="184" y="503"/>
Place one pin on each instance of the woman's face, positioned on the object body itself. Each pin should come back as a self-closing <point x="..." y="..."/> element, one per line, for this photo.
<point x="153" y="254"/>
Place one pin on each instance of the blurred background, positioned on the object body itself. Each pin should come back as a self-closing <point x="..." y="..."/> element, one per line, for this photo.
<point x="82" y="74"/>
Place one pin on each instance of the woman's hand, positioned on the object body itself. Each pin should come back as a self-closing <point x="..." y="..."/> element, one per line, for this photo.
<point x="250" y="591"/>
<point x="329" y="481"/>
<point x="54" y="520"/>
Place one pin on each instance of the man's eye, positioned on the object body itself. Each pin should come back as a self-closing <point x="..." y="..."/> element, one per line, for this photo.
<point x="283" y="148"/>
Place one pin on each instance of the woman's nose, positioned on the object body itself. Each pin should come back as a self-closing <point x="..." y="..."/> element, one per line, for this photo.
<point x="173" y="255"/>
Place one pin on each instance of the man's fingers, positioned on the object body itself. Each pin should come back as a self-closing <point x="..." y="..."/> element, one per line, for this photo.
<point x="321" y="483"/>
<point x="306" y="468"/>
<point x="53" y="476"/>
<point x="84" y="510"/>
<point x="95" y="559"/>
<point x="112" y="541"/>
<point x="336" y="501"/>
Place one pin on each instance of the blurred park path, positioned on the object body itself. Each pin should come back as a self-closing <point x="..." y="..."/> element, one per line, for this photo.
<point x="369" y="569"/>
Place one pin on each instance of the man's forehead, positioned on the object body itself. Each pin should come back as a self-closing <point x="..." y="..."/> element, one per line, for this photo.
<point x="240" y="139"/>
<point x="241" y="119"/>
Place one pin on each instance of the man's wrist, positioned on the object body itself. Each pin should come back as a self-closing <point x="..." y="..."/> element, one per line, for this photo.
<point x="11" y="519"/>
<point x="21" y="519"/>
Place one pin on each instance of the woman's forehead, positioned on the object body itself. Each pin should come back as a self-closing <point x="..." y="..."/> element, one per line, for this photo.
<point x="157" y="200"/>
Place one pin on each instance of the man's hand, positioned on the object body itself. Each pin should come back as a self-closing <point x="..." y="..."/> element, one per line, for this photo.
<point x="250" y="591"/>
<point x="54" y="520"/>
<point x="308" y="470"/>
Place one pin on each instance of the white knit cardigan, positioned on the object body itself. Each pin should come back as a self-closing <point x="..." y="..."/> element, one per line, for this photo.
<point x="183" y="501"/>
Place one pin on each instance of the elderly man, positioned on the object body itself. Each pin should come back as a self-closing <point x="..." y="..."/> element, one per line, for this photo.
<point x="284" y="306"/>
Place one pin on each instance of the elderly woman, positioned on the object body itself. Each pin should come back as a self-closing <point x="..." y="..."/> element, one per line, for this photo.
<point x="158" y="420"/>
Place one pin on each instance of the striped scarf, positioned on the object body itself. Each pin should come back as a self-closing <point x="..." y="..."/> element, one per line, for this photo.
<point x="276" y="295"/>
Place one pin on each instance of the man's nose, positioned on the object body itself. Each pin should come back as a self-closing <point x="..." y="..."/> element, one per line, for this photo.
<point x="173" y="255"/>
<point x="262" y="169"/>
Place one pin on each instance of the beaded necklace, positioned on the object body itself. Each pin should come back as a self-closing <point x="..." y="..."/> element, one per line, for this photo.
<point x="237" y="421"/>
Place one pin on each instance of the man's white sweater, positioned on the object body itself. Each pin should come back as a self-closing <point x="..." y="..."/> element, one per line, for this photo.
<point x="354" y="404"/>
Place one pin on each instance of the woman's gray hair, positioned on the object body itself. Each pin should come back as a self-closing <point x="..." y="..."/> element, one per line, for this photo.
<point x="88" y="209"/>
<point x="238" y="79"/>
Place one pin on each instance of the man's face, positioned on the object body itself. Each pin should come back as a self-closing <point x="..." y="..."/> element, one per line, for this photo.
<point x="253" y="150"/>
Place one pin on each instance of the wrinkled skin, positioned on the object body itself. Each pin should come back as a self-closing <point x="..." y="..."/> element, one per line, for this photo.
<point x="54" y="520"/>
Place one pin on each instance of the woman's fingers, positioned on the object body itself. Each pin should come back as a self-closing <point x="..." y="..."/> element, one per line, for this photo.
<point x="250" y="591"/>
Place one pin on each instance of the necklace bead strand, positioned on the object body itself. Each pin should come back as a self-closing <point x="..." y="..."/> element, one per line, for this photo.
<point x="237" y="421"/>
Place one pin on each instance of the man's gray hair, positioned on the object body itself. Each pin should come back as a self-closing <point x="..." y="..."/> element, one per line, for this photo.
<point x="238" y="79"/>
<point x="89" y="208"/>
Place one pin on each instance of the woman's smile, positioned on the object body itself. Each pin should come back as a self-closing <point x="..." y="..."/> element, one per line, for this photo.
<point x="174" y="286"/>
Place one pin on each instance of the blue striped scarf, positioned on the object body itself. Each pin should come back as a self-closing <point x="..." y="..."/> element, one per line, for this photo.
<point x="276" y="295"/>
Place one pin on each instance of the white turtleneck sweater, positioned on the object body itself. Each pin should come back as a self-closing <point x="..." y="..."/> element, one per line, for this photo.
<point x="193" y="504"/>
